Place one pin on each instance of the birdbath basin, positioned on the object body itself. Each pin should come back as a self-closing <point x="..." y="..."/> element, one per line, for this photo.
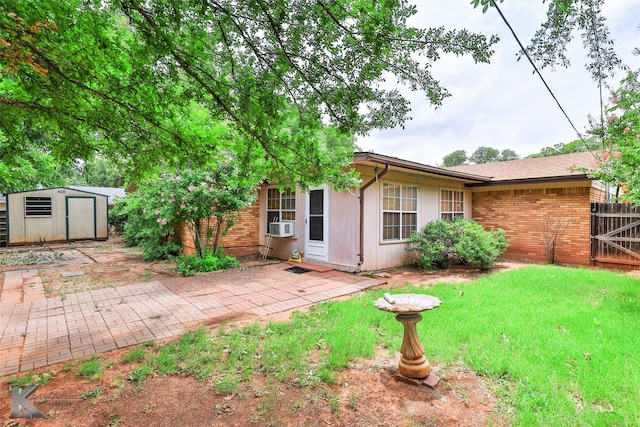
<point x="407" y="307"/>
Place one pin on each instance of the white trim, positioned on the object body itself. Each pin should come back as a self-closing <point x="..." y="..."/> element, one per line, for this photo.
<point x="317" y="250"/>
<point x="402" y="185"/>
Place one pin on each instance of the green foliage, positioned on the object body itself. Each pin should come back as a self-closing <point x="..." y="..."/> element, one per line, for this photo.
<point x="188" y="265"/>
<point x="485" y="155"/>
<point x="139" y="374"/>
<point x="205" y="202"/>
<point x="577" y="146"/>
<point x="481" y="155"/>
<point x="564" y="17"/>
<point x="457" y="158"/>
<point x="28" y="379"/>
<point x="434" y="246"/>
<point x="543" y="336"/>
<point x="479" y="247"/>
<point x="117" y="216"/>
<point x="138" y="354"/>
<point x="508" y="154"/>
<point x="91" y="369"/>
<point x="93" y="393"/>
<point x="99" y="171"/>
<point x="27" y="167"/>
<point x="619" y="163"/>
<point x="159" y="85"/>
<point x="440" y="242"/>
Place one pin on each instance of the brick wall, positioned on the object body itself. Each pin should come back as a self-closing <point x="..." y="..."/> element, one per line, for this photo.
<point x="241" y="239"/>
<point x="526" y="214"/>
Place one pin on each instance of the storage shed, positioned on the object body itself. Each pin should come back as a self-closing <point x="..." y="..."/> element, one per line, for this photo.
<point x="55" y="214"/>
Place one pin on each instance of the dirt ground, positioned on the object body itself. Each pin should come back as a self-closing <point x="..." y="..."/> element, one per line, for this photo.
<point x="368" y="393"/>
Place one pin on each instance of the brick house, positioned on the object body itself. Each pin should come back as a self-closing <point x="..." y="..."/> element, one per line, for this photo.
<point x="527" y="197"/>
<point x="366" y="228"/>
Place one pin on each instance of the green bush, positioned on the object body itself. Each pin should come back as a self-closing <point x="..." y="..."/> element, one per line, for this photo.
<point x="139" y="227"/>
<point x="480" y="247"/>
<point x="188" y="265"/>
<point x="441" y="242"/>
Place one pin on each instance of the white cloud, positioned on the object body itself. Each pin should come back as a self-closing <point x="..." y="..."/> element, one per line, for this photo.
<point x="502" y="105"/>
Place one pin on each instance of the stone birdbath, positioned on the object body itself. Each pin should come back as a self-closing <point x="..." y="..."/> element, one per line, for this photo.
<point x="413" y="364"/>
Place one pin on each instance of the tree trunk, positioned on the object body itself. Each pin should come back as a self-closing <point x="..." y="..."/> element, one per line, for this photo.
<point x="216" y="240"/>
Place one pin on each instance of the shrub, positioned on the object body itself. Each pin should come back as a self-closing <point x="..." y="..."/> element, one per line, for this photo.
<point x="434" y="246"/>
<point x="480" y="247"/>
<point x="140" y="228"/>
<point x="188" y="265"/>
<point x="442" y="241"/>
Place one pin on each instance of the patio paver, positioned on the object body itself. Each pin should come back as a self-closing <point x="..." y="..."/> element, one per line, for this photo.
<point x="36" y="332"/>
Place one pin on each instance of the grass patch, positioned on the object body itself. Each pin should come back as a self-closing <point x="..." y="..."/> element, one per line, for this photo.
<point x="28" y="379"/>
<point x="558" y="345"/>
<point x="561" y="341"/>
<point x="92" y="369"/>
<point x="138" y="354"/>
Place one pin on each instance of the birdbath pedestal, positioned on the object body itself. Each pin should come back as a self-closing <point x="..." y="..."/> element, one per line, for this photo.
<point x="413" y="364"/>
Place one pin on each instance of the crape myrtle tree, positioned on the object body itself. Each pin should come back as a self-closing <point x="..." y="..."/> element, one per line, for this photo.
<point x="206" y="203"/>
<point x="137" y="80"/>
<point x="620" y="161"/>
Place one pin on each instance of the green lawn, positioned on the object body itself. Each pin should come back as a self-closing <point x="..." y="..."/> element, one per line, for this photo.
<point x="561" y="343"/>
<point x="557" y="345"/>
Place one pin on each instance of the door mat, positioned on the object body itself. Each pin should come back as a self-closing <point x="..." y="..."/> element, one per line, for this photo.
<point x="297" y="270"/>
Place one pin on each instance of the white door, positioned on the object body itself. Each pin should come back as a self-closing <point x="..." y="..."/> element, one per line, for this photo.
<point x="316" y="224"/>
<point x="81" y="218"/>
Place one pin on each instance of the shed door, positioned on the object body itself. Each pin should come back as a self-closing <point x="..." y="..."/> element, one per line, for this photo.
<point x="81" y="218"/>
<point x="316" y="225"/>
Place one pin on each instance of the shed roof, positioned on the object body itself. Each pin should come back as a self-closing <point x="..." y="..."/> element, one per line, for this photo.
<point x="110" y="192"/>
<point x="561" y="167"/>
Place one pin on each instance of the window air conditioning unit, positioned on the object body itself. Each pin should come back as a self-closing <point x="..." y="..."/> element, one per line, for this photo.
<point x="282" y="229"/>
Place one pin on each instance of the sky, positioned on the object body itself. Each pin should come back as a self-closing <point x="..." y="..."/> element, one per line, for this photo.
<point x="503" y="104"/>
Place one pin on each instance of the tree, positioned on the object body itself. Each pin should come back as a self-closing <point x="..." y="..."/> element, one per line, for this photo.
<point x="26" y="167"/>
<point x="548" y="46"/>
<point x="206" y="202"/>
<point x="508" y="154"/>
<point x="619" y="162"/>
<point x="484" y="155"/>
<point x="166" y="84"/>
<point x="457" y="158"/>
<point x="577" y="146"/>
<point x="99" y="172"/>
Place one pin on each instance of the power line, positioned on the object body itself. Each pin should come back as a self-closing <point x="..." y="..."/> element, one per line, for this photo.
<point x="540" y="75"/>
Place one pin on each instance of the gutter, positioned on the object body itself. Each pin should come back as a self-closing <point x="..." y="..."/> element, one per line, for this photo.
<point x="547" y="179"/>
<point x="361" y="231"/>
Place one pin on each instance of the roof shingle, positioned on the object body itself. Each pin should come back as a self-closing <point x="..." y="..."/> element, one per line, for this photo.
<point x="564" y="165"/>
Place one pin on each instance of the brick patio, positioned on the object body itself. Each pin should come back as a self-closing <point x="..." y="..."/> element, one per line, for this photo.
<point x="36" y="331"/>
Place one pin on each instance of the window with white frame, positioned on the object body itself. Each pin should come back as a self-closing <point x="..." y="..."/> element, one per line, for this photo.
<point x="451" y="204"/>
<point x="399" y="211"/>
<point x="280" y="206"/>
<point x="38" y="206"/>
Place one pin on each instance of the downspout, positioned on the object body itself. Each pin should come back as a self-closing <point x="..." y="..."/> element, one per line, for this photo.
<point x="364" y="187"/>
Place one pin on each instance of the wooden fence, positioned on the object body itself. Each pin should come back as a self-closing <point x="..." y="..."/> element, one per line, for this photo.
<point x="615" y="235"/>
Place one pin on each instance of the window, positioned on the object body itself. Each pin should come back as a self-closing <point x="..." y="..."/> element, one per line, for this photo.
<point x="399" y="211"/>
<point x="451" y="204"/>
<point x="280" y="206"/>
<point x="37" y="206"/>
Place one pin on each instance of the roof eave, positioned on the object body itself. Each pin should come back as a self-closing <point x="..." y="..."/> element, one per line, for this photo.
<point x="539" y="180"/>
<point x="362" y="157"/>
